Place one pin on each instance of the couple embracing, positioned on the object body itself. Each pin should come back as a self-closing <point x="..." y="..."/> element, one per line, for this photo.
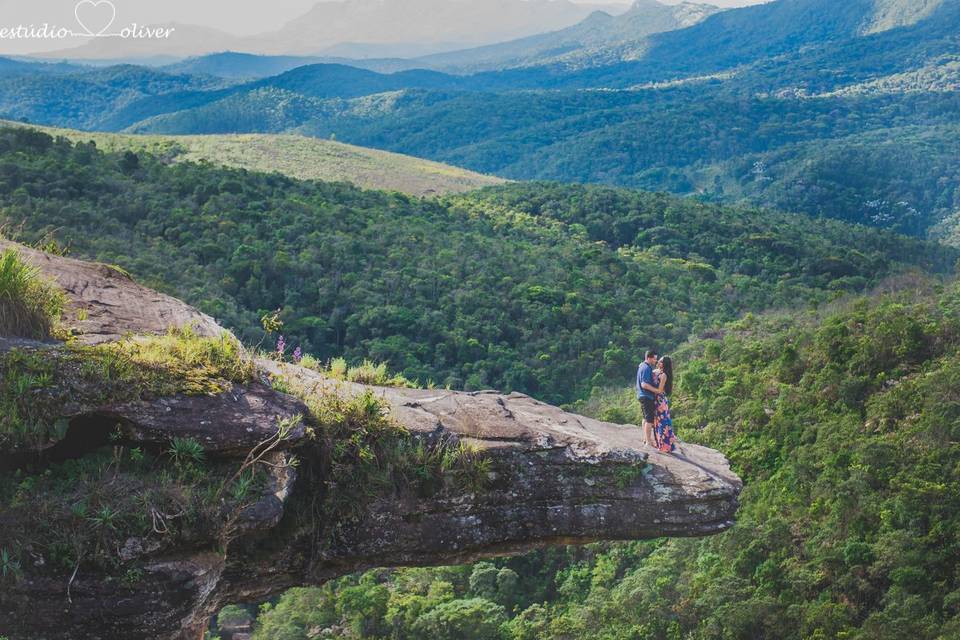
<point x="654" y="385"/>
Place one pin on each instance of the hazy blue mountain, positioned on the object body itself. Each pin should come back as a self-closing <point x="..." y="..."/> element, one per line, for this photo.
<point x="762" y="31"/>
<point x="359" y="28"/>
<point x="90" y="98"/>
<point x="27" y="67"/>
<point x="360" y="52"/>
<point x="599" y="39"/>
<point x="233" y="64"/>
<point x="336" y="80"/>
<point x="423" y="22"/>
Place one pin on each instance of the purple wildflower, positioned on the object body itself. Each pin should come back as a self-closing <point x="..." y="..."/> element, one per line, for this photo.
<point x="281" y="346"/>
<point x="297" y="355"/>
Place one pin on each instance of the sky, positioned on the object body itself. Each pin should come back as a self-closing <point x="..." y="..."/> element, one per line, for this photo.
<point x="239" y="17"/>
<point x="236" y="16"/>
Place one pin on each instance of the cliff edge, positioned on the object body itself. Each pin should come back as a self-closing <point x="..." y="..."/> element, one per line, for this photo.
<point x="149" y="477"/>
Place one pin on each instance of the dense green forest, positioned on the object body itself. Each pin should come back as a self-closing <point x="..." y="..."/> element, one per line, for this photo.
<point x="900" y="177"/>
<point x="844" y="423"/>
<point x="840" y="416"/>
<point x="90" y="98"/>
<point x="841" y="419"/>
<point x="540" y="288"/>
<point x="620" y="138"/>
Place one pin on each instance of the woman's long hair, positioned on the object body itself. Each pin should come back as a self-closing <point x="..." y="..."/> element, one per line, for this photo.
<point x="667" y="365"/>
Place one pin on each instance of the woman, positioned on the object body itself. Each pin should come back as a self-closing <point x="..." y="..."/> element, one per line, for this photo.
<point x="663" y="429"/>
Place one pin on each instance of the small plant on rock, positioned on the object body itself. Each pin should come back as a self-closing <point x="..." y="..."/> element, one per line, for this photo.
<point x="186" y="452"/>
<point x="9" y="566"/>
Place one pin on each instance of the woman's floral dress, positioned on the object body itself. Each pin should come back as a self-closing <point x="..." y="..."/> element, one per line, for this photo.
<point x="663" y="429"/>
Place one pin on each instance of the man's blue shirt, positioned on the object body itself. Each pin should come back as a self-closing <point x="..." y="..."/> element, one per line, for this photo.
<point x="644" y="374"/>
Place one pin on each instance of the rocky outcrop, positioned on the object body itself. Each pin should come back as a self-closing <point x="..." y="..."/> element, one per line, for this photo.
<point x="548" y="477"/>
<point x="106" y="303"/>
<point x="686" y="493"/>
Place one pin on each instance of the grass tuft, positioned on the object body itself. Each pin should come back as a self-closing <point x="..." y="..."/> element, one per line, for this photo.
<point x="368" y="372"/>
<point x="180" y="361"/>
<point x="30" y="305"/>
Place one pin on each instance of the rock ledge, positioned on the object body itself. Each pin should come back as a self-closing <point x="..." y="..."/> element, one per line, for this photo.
<point x="553" y="478"/>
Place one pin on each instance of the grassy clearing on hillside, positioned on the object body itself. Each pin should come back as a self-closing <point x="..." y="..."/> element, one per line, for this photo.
<point x="30" y="305"/>
<point x="300" y="157"/>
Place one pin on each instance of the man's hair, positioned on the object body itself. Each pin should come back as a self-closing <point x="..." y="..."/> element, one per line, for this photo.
<point x="650" y="354"/>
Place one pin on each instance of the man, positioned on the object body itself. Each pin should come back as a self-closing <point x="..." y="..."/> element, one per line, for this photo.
<point x="647" y="395"/>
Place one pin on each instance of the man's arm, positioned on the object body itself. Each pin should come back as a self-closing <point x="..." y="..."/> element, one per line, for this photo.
<point x="647" y="386"/>
<point x="651" y="388"/>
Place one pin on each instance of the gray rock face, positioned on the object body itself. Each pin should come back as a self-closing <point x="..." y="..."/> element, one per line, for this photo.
<point x="691" y="492"/>
<point x="552" y="478"/>
<point x="230" y="423"/>
<point x="113" y="303"/>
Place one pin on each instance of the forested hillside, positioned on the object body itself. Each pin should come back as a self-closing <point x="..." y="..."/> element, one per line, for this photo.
<point x="797" y="155"/>
<point x="844" y="424"/>
<point x="808" y="110"/>
<point x="540" y="288"/>
<point x="87" y="98"/>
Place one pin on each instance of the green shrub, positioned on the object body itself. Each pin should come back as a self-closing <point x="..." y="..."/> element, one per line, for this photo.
<point x="233" y="615"/>
<point x="471" y="619"/>
<point x="368" y="373"/>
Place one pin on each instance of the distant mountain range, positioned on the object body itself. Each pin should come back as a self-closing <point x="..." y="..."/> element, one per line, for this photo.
<point x="445" y="24"/>
<point x="662" y="41"/>
<point x="599" y="39"/>
<point x="247" y="66"/>
<point x="364" y="29"/>
<point x="801" y="104"/>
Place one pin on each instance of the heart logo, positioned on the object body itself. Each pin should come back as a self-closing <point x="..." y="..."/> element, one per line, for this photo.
<point x="91" y="14"/>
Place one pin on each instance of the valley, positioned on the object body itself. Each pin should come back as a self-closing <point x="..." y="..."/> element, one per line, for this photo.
<point x="424" y="247"/>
